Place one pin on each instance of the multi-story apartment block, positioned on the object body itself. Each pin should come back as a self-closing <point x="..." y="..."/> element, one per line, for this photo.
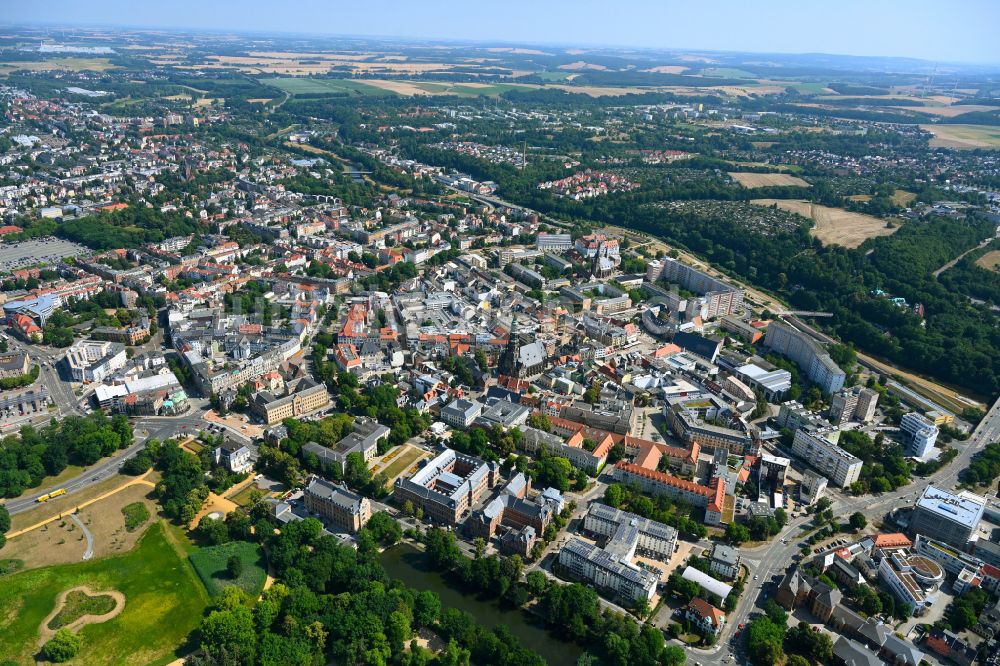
<point x="854" y="404"/>
<point x="610" y="569"/>
<point x="717" y="298"/>
<point x="813" y="359"/>
<point x="819" y="449"/>
<point x="654" y="539"/>
<point x="345" y="509"/>
<point x="725" y="561"/>
<point x="447" y="485"/>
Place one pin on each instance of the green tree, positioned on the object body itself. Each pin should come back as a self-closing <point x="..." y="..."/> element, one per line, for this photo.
<point x="234" y="567"/>
<point x="737" y="534"/>
<point x="858" y="521"/>
<point x="63" y="646"/>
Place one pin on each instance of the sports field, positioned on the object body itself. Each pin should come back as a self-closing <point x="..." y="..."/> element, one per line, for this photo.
<point x="164" y="601"/>
<point x="833" y="226"/>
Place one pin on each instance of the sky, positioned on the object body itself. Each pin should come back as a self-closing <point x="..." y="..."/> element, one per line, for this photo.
<point x="938" y="30"/>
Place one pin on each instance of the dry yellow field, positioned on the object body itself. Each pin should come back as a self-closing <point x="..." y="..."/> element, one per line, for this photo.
<point x="833" y="226"/>
<point x="963" y="136"/>
<point x="990" y="261"/>
<point x="668" y="69"/>
<point x="752" y="180"/>
<point x="948" y="111"/>
<point x="902" y="197"/>
<point x="580" y="64"/>
<point x="69" y="64"/>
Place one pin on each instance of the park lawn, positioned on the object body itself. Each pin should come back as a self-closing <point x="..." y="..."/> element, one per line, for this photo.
<point x="403" y="462"/>
<point x="210" y="564"/>
<point x="164" y="602"/>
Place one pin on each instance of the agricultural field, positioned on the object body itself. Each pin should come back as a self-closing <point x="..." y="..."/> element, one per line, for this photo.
<point x="53" y="64"/>
<point x="833" y="226"/>
<point x="163" y="602"/>
<point x="754" y="180"/>
<point x="990" y="261"/>
<point x="963" y="136"/>
<point x="210" y="565"/>
<point x="304" y="86"/>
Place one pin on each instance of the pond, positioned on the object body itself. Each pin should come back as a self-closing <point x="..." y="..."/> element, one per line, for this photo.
<point x="408" y="564"/>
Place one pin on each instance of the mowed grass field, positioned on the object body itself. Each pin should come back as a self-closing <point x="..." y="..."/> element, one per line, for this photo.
<point x="963" y="136"/>
<point x="164" y="601"/>
<point x="833" y="226"/>
<point x="210" y="564"/>
<point x="752" y="180"/>
<point x="304" y="86"/>
<point x="402" y="462"/>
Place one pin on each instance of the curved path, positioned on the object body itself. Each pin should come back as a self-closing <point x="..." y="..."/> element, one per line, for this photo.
<point x="83" y="620"/>
<point x="89" y="553"/>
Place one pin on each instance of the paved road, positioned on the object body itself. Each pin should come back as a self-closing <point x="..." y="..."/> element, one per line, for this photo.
<point x="145" y="428"/>
<point x="775" y="558"/>
<point x="89" y="553"/>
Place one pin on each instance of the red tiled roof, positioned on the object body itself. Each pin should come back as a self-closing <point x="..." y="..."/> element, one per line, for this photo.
<point x="704" y="609"/>
<point x="715" y="492"/>
<point x="893" y="540"/>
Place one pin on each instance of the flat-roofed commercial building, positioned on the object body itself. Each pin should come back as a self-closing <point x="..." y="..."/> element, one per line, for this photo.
<point x="947" y="517"/>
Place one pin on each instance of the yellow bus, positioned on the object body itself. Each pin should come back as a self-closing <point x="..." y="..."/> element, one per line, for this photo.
<point x="52" y="495"/>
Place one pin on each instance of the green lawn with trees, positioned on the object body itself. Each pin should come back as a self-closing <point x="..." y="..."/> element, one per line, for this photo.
<point x="163" y="604"/>
<point x="214" y="566"/>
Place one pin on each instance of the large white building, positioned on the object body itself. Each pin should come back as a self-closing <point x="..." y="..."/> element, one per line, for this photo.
<point x="947" y="517"/>
<point x="92" y="360"/>
<point x="655" y="538"/>
<point x="819" y="449"/>
<point x="919" y="433"/>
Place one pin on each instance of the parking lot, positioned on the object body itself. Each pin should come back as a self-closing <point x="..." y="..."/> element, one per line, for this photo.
<point x="48" y="250"/>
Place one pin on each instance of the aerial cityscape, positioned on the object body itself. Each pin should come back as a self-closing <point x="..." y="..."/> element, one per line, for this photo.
<point x="400" y="339"/>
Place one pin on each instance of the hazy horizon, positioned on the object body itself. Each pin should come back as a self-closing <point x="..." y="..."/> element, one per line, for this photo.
<point x="958" y="32"/>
